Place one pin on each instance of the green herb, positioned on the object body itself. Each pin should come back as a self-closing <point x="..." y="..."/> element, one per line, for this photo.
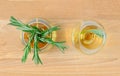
<point x="98" y="32"/>
<point x="46" y="32"/>
<point x="36" y="57"/>
<point x="27" y="48"/>
<point x="60" y="45"/>
<point x="36" y="35"/>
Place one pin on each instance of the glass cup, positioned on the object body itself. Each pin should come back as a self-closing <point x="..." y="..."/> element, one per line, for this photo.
<point x="89" y="37"/>
<point x="41" y="24"/>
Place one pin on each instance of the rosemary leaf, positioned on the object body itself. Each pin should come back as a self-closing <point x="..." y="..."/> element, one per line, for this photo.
<point x="36" y="57"/>
<point x="22" y="26"/>
<point x="16" y="22"/>
<point x="27" y="48"/>
<point x="97" y="32"/>
<point x="60" y="45"/>
<point x="48" y="31"/>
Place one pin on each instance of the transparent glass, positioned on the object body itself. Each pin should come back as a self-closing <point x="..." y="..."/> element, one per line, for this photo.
<point x="40" y="23"/>
<point x="89" y="37"/>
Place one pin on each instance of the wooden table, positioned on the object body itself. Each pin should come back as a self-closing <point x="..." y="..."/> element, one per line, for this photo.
<point x="68" y="13"/>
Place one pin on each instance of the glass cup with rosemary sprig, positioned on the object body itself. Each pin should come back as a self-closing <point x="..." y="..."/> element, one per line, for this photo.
<point x="41" y="24"/>
<point x="37" y="34"/>
<point x="89" y="37"/>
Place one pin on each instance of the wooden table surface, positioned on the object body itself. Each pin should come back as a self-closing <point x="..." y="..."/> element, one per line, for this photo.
<point x="68" y="13"/>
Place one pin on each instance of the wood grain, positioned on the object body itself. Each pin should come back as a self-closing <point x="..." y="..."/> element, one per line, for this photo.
<point x="68" y="13"/>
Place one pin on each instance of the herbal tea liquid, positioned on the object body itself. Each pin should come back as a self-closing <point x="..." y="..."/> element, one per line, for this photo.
<point x="90" y="40"/>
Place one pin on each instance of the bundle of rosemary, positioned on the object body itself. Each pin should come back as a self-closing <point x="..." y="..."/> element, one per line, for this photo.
<point x="36" y="36"/>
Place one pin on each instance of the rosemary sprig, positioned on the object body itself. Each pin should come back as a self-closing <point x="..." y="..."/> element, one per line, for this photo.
<point x="36" y="35"/>
<point x="27" y="48"/>
<point x="36" y="57"/>
<point x="60" y="45"/>
<point x="97" y="32"/>
<point x="46" y="32"/>
<point x="22" y="26"/>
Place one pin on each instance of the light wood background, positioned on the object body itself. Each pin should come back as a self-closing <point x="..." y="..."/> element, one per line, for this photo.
<point x="68" y="13"/>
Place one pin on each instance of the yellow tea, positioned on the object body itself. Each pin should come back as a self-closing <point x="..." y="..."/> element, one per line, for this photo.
<point x="89" y="39"/>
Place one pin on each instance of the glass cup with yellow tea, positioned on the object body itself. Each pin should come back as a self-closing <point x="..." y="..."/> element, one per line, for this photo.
<point x="89" y="37"/>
